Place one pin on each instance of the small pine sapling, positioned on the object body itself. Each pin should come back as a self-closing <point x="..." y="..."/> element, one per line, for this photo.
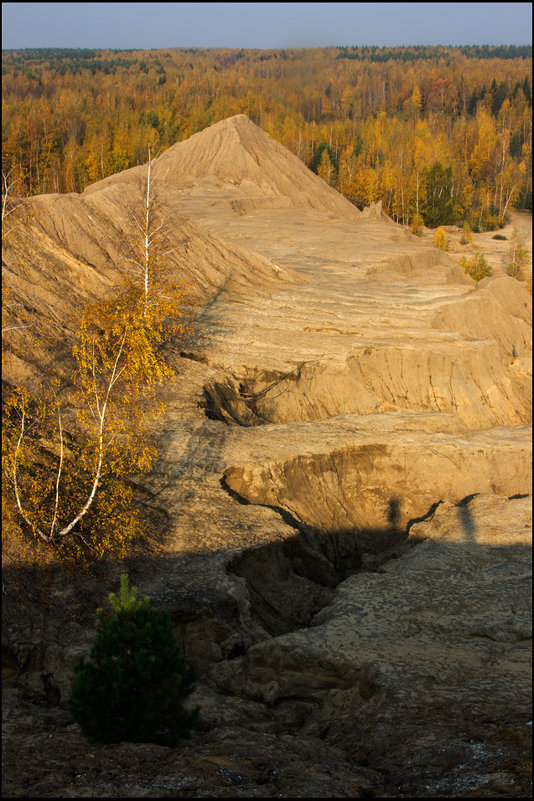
<point x="135" y="684"/>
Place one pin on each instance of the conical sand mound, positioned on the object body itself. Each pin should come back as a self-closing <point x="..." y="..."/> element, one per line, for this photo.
<point x="235" y="152"/>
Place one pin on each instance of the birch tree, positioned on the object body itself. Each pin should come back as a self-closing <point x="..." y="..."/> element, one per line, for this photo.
<point x="518" y="260"/>
<point x="150" y="278"/>
<point x="15" y="215"/>
<point x="69" y="483"/>
<point x="68" y="486"/>
<point x="12" y="202"/>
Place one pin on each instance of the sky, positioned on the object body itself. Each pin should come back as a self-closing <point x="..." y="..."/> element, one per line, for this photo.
<point x="262" y="25"/>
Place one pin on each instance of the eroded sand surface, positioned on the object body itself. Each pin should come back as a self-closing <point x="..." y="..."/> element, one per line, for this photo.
<point x="345" y="467"/>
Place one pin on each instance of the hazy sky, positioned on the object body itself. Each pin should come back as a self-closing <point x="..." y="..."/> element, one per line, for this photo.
<point x="262" y="25"/>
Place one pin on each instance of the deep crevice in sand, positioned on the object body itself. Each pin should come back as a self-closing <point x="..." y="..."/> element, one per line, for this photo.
<point x="289" y="581"/>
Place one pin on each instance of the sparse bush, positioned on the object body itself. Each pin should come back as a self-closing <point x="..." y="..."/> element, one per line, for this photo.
<point x="135" y="685"/>
<point x="477" y="267"/>
<point x="499" y="236"/>
<point x="467" y="236"/>
<point x="518" y="258"/>
<point x="440" y="240"/>
<point x="417" y="225"/>
<point x="492" y="222"/>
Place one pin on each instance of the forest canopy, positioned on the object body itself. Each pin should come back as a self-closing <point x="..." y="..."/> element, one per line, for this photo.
<point x="376" y="123"/>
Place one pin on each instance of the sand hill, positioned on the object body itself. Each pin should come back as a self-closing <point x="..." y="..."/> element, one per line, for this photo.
<point x="75" y="250"/>
<point x="235" y="154"/>
<point x="345" y="468"/>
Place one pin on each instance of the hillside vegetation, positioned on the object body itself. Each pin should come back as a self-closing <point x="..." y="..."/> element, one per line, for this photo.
<point x="440" y="134"/>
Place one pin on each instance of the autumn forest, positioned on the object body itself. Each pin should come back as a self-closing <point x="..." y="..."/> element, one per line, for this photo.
<point x="440" y="134"/>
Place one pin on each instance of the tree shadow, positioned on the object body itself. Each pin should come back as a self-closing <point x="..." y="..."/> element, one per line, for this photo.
<point x="393" y="512"/>
<point x="466" y="518"/>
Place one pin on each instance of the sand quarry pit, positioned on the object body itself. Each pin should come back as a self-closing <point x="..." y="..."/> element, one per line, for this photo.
<point x="344" y="470"/>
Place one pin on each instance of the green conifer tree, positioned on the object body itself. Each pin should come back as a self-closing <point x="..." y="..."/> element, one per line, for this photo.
<point x="438" y="208"/>
<point x="134" y="686"/>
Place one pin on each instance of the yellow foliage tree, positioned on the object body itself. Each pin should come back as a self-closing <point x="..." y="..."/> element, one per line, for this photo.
<point x="326" y="168"/>
<point x="440" y="240"/>
<point x="414" y="103"/>
<point x="417" y="225"/>
<point x="483" y="160"/>
<point x="477" y="267"/>
<point x="348" y="171"/>
<point x="518" y="259"/>
<point x="466" y="237"/>
<point x="69" y="488"/>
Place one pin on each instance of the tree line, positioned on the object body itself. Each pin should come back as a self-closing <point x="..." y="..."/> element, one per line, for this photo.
<point x="370" y="121"/>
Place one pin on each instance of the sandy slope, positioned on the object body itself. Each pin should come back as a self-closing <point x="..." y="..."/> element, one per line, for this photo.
<point x="348" y="380"/>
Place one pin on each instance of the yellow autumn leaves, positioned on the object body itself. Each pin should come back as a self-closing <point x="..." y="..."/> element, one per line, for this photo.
<point x="71" y="448"/>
